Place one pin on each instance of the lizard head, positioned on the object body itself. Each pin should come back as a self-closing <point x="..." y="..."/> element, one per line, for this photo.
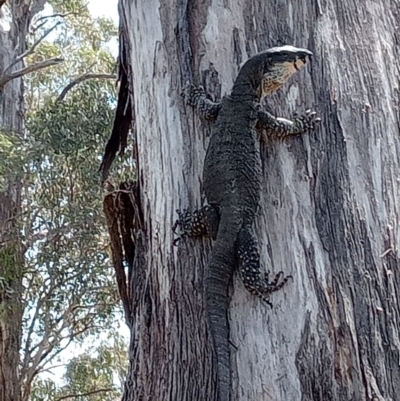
<point x="267" y="71"/>
<point x="280" y="64"/>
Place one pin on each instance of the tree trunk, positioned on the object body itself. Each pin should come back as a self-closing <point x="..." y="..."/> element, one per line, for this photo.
<point x="10" y="207"/>
<point x="329" y="213"/>
<point x="13" y="30"/>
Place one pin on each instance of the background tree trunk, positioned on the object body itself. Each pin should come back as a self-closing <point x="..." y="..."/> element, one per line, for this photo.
<point x="11" y="263"/>
<point x="330" y="206"/>
<point x="14" y="24"/>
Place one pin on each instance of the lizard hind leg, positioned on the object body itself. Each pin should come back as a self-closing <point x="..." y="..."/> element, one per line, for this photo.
<point x="200" y="223"/>
<point x="249" y="266"/>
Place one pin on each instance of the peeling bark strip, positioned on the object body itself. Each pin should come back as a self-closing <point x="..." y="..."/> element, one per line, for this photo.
<point x="124" y="221"/>
<point x="124" y="114"/>
<point x="330" y="206"/>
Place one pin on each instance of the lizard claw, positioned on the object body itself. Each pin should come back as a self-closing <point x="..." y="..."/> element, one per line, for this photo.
<point x="191" y="93"/>
<point x="306" y="122"/>
<point x="264" y="288"/>
<point x="186" y="89"/>
<point x="277" y="283"/>
<point x="178" y="223"/>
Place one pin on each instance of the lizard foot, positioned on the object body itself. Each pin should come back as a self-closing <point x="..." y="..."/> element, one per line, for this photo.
<point x="193" y="94"/>
<point x="305" y="122"/>
<point x="202" y="222"/>
<point x="264" y="289"/>
<point x="274" y="283"/>
<point x="282" y="127"/>
<point x="197" y="97"/>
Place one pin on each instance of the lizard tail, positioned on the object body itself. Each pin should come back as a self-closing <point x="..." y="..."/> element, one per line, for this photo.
<point x="217" y="282"/>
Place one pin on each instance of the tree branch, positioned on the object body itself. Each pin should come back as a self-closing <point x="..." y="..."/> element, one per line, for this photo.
<point x="41" y="301"/>
<point x="49" y="329"/>
<point x="30" y="68"/>
<point x="100" y="390"/>
<point x="82" y="78"/>
<point x="45" y="17"/>
<point x="46" y="345"/>
<point x="32" y="49"/>
<point x="49" y="355"/>
<point x="48" y="234"/>
<point x="51" y="368"/>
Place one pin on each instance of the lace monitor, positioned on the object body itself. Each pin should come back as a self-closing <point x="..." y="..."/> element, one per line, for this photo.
<point x="232" y="184"/>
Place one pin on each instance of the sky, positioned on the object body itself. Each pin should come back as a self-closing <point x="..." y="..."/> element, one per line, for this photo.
<point x="104" y="8"/>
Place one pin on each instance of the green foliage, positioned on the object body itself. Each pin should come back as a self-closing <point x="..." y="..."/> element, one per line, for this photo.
<point x="95" y="375"/>
<point x="7" y="261"/>
<point x="69" y="287"/>
<point x="82" y="41"/>
<point x="11" y="161"/>
<point x="68" y="273"/>
<point x="8" y="276"/>
<point x="45" y="390"/>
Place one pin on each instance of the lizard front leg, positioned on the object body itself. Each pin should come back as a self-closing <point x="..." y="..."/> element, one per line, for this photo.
<point x="197" y="98"/>
<point x="200" y="223"/>
<point x="281" y="127"/>
<point x="249" y="266"/>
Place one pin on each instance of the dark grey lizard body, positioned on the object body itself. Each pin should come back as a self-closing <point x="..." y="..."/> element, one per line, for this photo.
<point x="232" y="184"/>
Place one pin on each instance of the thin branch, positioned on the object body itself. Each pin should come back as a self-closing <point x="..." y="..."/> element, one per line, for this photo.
<point x="30" y="222"/>
<point x="100" y="390"/>
<point x="51" y="330"/>
<point x="46" y="352"/>
<point x="39" y="26"/>
<point x="41" y="301"/>
<point x="47" y="234"/>
<point x="46" y="346"/>
<point x="49" y="355"/>
<point x="82" y="78"/>
<point x="30" y="68"/>
<point x="50" y="327"/>
<point x="51" y="368"/>
<point x="55" y="16"/>
<point x="78" y="12"/>
<point x="32" y="49"/>
<point x="52" y="336"/>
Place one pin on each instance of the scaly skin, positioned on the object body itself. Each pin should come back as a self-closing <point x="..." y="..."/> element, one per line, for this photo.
<point x="232" y="184"/>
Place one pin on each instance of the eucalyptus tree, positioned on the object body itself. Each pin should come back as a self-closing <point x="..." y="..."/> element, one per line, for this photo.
<point x="329" y="214"/>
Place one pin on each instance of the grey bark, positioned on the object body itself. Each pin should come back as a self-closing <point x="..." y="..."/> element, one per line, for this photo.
<point x="329" y="213"/>
<point x="10" y="206"/>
